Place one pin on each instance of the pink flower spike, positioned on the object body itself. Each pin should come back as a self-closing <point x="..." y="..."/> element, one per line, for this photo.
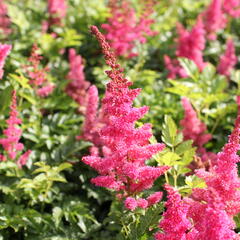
<point x="154" y="198"/>
<point x="142" y="203"/>
<point x="5" y="21"/>
<point x="4" y="51"/>
<point x="23" y="159"/>
<point x="175" y="223"/>
<point x="45" y="90"/>
<point x="130" y="203"/>
<point x="13" y="133"/>
<point x="232" y="7"/>
<point x="214" y="19"/>
<point x="228" y="60"/>
<point x="192" y="43"/>
<point x="122" y="165"/>
<point x="78" y="86"/>
<point x="57" y="10"/>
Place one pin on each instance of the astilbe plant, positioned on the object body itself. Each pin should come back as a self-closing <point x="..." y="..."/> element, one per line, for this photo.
<point x="190" y="44"/>
<point x="37" y="75"/>
<point x="57" y="10"/>
<point x="214" y="19"/>
<point x="124" y="28"/>
<point x="212" y="209"/>
<point x="228" y="60"/>
<point x="194" y="129"/>
<point x="4" y="51"/>
<point x="13" y="133"/>
<point x="5" y="22"/>
<point x="78" y="86"/>
<point x="175" y="224"/>
<point x="123" y="169"/>
<point x="232" y="7"/>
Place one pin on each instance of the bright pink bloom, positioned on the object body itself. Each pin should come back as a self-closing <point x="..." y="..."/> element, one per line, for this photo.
<point x="232" y="7"/>
<point x="45" y="90"/>
<point x="194" y="129"/>
<point x="124" y="29"/>
<point x="130" y="203"/>
<point x="212" y="209"/>
<point x="13" y="133"/>
<point x="175" y="223"/>
<point x="142" y="203"/>
<point x="4" y="19"/>
<point x="37" y="75"/>
<point x="154" y="198"/>
<point x="214" y="18"/>
<point x="228" y="60"/>
<point x="124" y="168"/>
<point x="192" y="43"/>
<point x="57" y="10"/>
<point x="77" y="87"/>
<point x="23" y="158"/>
<point x="4" y="51"/>
<point x="174" y="68"/>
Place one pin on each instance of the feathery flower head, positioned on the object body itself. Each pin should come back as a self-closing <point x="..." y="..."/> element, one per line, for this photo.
<point x="214" y="18"/>
<point x="228" y="60"/>
<point x="57" y="10"/>
<point x="4" y="19"/>
<point x="124" y="29"/>
<point x="123" y="169"/>
<point x="232" y="7"/>
<point x="77" y="87"/>
<point x="4" y="51"/>
<point x="192" y="43"/>
<point x="37" y="75"/>
<point x="13" y="133"/>
<point x="175" y="224"/>
<point x="174" y="68"/>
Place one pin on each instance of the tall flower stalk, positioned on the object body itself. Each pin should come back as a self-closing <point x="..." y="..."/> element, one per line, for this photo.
<point x="123" y="169"/>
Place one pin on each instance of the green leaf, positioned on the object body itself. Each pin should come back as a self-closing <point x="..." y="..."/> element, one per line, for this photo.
<point x="169" y="132"/>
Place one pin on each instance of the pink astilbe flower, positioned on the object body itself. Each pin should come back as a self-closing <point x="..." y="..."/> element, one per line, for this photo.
<point x="4" y="51"/>
<point x="194" y="129"/>
<point x="77" y="87"/>
<point x="175" y="224"/>
<point x="174" y="68"/>
<point x="214" y="19"/>
<point x="4" y="20"/>
<point x="232" y="7"/>
<point x="154" y="198"/>
<point x="123" y="169"/>
<point x="190" y="44"/>
<point x="13" y="133"/>
<point x="37" y="75"/>
<point x="228" y="60"/>
<point x="212" y="209"/>
<point x="124" y="29"/>
<point x="57" y="10"/>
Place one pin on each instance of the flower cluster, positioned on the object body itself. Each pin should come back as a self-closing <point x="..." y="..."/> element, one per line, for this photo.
<point x="194" y="129"/>
<point x="57" y="10"/>
<point x="4" y="19"/>
<point x="232" y="7"/>
<point x="214" y="18"/>
<point x="212" y="208"/>
<point x="123" y="169"/>
<point x="175" y="223"/>
<point x="4" y="51"/>
<point x="190" y="44"/>
<point x="37" y="74"/>
<point x="13" y="133"/>
<point x="228" y="60"/>
<point x="124" y="29"/>
<point x="77" y="87"/>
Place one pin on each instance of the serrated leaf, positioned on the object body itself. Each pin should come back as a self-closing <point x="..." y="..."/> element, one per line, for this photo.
<point x="169" y="159"/>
